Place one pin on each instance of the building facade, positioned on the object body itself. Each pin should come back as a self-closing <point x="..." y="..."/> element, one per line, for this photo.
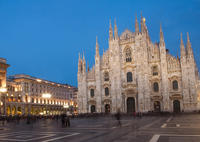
<point x="23" y="94"/>
<point x="3" y="72"/>
<point x="29" y="95"/>
<point x="137" y="75"/>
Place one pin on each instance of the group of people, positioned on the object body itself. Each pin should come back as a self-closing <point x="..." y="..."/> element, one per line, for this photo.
<point x="31" y="119"/>
<point x="65" y="120"/>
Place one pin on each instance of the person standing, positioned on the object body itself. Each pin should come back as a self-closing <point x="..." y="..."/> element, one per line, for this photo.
<point x="67" y="121"/>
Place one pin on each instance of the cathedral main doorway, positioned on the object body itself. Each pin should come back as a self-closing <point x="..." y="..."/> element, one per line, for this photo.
<point x="176" y="106"/>
<point x="93" y="108"/>
<point x="107" y="108"/>
<point x="156" y="106"/>
<point x="130" y="105"/>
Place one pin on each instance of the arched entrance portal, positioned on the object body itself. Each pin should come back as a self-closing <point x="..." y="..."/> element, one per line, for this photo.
<point x="107" y="108"/>
<point x="156" y="106"/>
<point x="130" y="105"/>
<point x="176" y="106"/>
<point x="93" y="109"/>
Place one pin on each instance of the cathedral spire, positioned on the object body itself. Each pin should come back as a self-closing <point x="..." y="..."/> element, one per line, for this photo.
<point x="116" y="31"/>
<point x="79" y="57"/>
<point x="79" y="63"/>
<point x="136" y="25"/>
<point x="142" y="24"/>
<point x="110" y="32"/>
<point x="189" y="47"/>
<point x="97" y="47"/>
<point x="83" y="57"/>
<point x="162" y="42"/>
<point x="88" y="68"/>
<point x="182" y="48"/>
<point x="84" y="64"/>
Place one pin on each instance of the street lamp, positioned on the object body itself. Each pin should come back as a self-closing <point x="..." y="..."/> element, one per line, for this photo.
<point x="3" y="90"/>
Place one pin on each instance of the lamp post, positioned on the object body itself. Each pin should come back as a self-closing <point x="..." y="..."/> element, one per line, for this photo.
<point x="2" y="91"/>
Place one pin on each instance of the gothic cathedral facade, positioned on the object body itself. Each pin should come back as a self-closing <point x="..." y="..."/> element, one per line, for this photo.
<point x="136" y="75"/>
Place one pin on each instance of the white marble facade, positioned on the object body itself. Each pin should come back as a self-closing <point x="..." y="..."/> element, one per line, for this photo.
<point x="135" y="74"/>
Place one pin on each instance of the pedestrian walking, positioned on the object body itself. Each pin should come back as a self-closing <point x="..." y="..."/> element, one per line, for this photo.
<point x="118" y="117"/>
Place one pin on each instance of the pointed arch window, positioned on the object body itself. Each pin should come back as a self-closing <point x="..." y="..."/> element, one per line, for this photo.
<point x="175" y="85"/>
<point x="106" y="76"/>
<point x="128" y="55"/>
<point x="129" y="77"/>
<point x="91" y="93"/>
<point x="155" y="87"/>
<point x="106" y="91"/>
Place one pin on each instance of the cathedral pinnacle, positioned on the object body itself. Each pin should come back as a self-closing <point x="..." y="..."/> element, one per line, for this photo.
<point x="182" y="47"/>
<point x="84" y="64"/>
<point x="162" y="42"/>
<point x="142" y="24"/>
<point x="116" y="31"/>
<point x="83" y="57"/>
<point x="88" y="68"/>
<point x="97" y="46"/>
<point x="110" y="32"/>
<point x="136" y="25"/>
<point x="188" y="41"/>
<point x="79" y="57"/>
<point x="161" y="33"/>
<point x="189" y="48"/>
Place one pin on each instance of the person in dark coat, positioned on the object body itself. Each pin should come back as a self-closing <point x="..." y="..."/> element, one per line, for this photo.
<point x="63" y="119"/>
<point x="118" y="117"/>
<point x="67" y="121"/>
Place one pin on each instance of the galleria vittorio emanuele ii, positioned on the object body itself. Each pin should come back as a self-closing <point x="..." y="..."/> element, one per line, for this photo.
<point x="137" y="75"/>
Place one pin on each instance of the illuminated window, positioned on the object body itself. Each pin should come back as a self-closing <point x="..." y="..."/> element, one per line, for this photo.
<point x="32" y="100"/>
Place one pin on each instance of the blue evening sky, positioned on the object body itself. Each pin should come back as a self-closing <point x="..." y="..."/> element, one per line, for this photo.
<point x="42" y="38"/>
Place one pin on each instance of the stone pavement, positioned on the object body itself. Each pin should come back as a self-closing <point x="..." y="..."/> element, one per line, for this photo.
<point x="179" y="128"/>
